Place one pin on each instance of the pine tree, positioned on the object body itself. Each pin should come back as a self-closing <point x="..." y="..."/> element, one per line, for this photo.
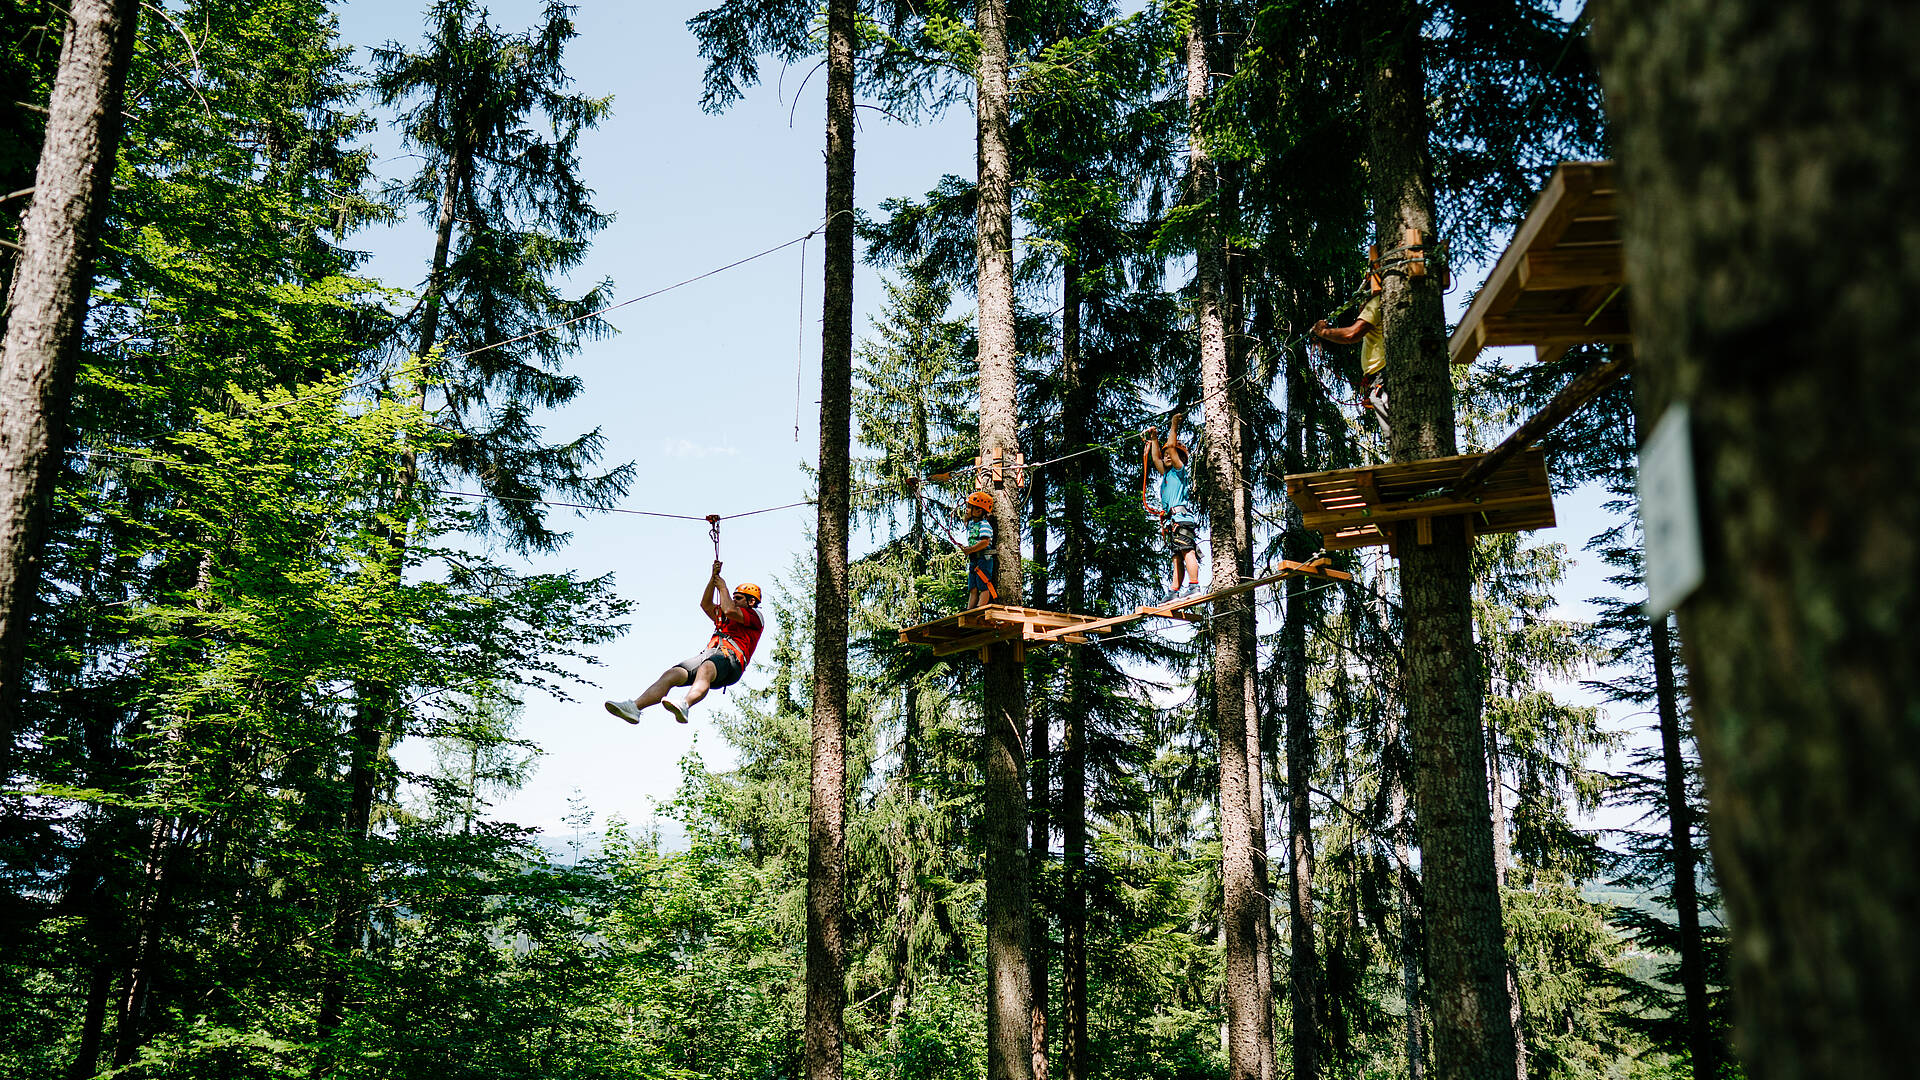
<point x="46" y="309"/>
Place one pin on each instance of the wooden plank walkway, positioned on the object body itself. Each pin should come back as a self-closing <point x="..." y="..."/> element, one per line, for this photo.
<point x="994" y="623"/>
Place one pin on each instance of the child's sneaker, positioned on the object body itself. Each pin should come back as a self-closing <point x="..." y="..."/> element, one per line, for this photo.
<point x="625" y="710"/>
<point x="679" y="711"/>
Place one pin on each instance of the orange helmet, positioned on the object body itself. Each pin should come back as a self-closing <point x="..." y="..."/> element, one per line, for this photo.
<point x="981" y="499"/>
<point x="748" y="589"/>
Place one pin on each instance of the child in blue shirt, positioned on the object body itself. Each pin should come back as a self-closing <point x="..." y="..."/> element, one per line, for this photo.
<point x="979" y="550"/>
<point x="1171" y="460"/>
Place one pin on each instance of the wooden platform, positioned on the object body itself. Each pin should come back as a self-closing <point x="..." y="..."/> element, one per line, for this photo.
<point x="1356" y="508"/>
<point x="994" y="623"/>
<point x="1562" y="281"/>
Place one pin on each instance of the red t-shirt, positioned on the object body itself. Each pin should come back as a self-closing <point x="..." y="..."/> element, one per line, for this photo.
<point x="737" y="636"/>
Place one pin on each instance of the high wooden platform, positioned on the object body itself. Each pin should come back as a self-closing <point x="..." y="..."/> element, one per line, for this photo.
<point x="1356" y="508"/>
<point x="994" y="623"/>
<point x="1562" y="281"/>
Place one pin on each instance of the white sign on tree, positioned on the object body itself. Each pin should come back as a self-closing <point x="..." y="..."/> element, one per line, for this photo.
<point x="1670" y="513"/>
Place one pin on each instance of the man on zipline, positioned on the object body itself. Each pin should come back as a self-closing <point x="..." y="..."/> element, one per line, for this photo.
<point x="736" y="631"/>
<point x="1177" y="523"/>
<point x="1373" y="356"/>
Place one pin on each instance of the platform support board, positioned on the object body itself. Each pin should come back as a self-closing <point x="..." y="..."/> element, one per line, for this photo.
<point x="1356" y="508"/>
<point x="991" y="624"/>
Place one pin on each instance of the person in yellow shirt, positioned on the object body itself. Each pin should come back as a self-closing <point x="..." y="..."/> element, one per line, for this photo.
<point x="1373" y="355"/>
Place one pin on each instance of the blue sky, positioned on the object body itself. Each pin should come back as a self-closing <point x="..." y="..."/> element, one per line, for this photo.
<point x="698" y="386"/>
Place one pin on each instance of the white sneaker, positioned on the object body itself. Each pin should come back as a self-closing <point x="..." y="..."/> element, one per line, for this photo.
<point x="679" y="711"/>
<point x="625" y="710"/>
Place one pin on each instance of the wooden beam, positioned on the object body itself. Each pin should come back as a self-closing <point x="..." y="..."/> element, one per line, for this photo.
<point x="973" y="641"/>
<point x="1581" y="390"/>
<point x="1553" y="211"/>
<point x="1438" y="506"/>
<point x="1574" y="268"/>
<point x="1609" y="326"/>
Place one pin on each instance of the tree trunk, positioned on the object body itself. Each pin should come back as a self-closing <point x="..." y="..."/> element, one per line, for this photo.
<point x="47" y="309"/>
<point x="1393" y="769"/>
<point x="1502" y="859"/>
<point x="1073" y="734"/>
<point x="376" y="714"/>
<point x="1409" y="937"/>
<point x="1234" y="318"/>
<point x="1009" y="1017"/>
<point x="1303" y="969"/>
<point x="93" y="1022"/>
<point x="1040" y="798"/>
<point x="1243" y="907"/>
<point x="1763" y="149"/>
<point x="350" y="911"/>
<point x="129" y="1028"/>
<point x="1473" y="1032"/>
<point x="904" y="835"/>
<point x="827" y="815"/>
<point x="1703" y="1048"/>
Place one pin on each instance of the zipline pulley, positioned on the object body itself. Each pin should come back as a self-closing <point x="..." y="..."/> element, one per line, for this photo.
<point x="713" y="531"/>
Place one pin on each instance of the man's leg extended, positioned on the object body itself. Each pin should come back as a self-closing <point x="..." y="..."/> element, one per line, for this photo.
<point x="670" y="678"/>
<point x="702" y="682"/>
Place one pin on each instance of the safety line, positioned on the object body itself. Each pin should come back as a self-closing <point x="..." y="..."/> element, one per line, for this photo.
<point x="415" y="364"/>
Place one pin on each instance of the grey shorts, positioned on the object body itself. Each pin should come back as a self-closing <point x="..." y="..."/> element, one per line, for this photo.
<point x="726" y="670"/>
<point x="1180" y="538"/>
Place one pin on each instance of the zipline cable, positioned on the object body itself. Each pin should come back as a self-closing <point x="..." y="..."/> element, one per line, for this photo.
<point x="415" y="364"/>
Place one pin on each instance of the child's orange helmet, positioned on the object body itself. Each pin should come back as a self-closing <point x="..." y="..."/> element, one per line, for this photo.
<point x="981" y="499"/>
<point x="748" y="589"/>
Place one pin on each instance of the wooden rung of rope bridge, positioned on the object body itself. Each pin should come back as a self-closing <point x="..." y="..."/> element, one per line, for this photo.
<point x="992" y="624"/>
<point x="1363" y="507"/>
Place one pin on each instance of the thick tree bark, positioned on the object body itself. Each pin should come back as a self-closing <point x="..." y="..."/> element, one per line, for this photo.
<point x="1767" y="155"/>
<point x="1248" y="1034"/>
<point x="1073" y="735"/>
<point x="47" y="309"/>
<point x="1473" y="1033"/>
<point x="825" y="1052"/>
<point x="1009" y="1018"/>
<point x="1703" y="1048"/>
